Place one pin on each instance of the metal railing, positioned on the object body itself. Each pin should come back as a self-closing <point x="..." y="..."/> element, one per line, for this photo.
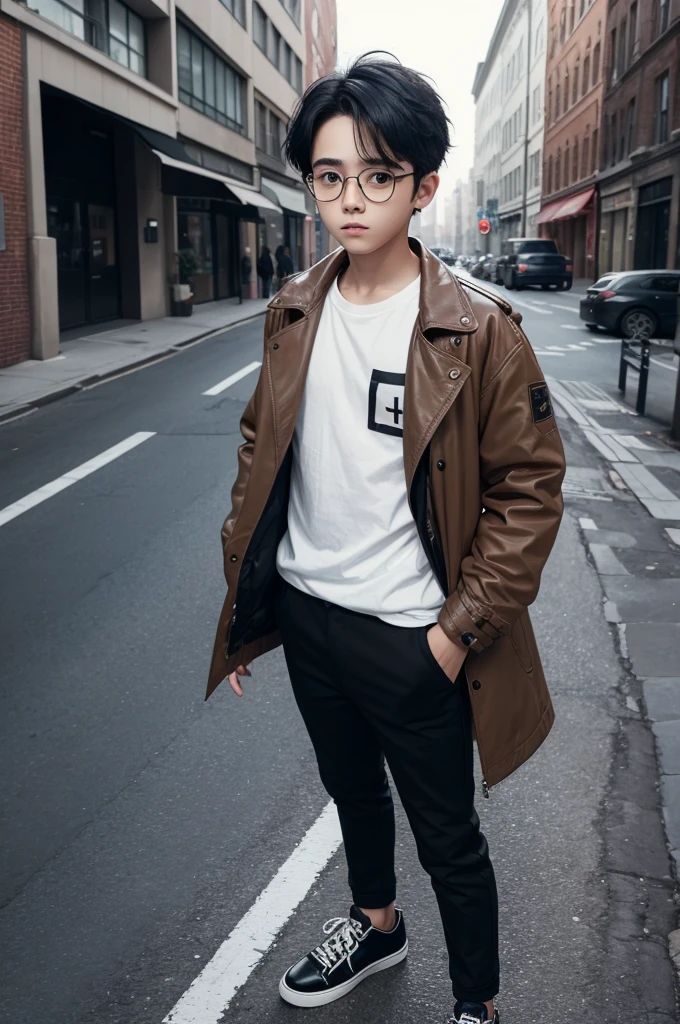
<point x="635" y="352"/>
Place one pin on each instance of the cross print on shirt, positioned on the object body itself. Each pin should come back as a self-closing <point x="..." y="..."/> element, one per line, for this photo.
<point x="386" y="403"/>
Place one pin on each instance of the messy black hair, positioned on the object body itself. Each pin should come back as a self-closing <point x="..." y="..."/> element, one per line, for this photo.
<point x="396" y="113"/>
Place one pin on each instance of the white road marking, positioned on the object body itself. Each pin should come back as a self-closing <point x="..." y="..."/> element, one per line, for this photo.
<point x="666" y="366"/>
<point x="607" y="341"/>
<point x="527" y="305"/>
<point x="206" y="999"/>
<point x="587" y="524"/>
<point x="569" y="309"/>
<point x="570" y="327"/>
<point x="557" y="348"/>
<point x="542" y="352"/>
<point x="72" y="477"/>
<point x="228" y="381"/>
<point x="574" y="347"/>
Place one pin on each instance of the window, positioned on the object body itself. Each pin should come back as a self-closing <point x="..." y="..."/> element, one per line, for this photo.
<point x="612" y="57"/>
<point x="550" y="109"/>
<point x="630" y="126"/>
<point x="574" y="91"/>
<point x="582" y="7"/>
<point x="572" y="14"/>
<point x="567" y="167"/>
<point x="622" y="136"/>
<point x="612" y="139"/>
<point x="293" y="8"/>
<point x="558" y="171"/>
<point x="108" y="25"/>
<point x="585" y="169"/>
<point x="593" y="166"/>
<point x="550" y="175"/>
<point x="208" y="84"/>
<point x="596" y="64"/>
<point x="663" y="15"/>
<point x="268" y="39"/>
<point x="237" y="8"/>
<point x="557" y="101"/>
<point x="536" y="104"/>
<point x="661" y="109"/>
<point x="566" y="91"/>
<point x="633" y="42"/>
<point x="623" y="51"/>
<point x="270" y="131"/>
<point x="574" y="172"/>
<point x="563" y="25"/>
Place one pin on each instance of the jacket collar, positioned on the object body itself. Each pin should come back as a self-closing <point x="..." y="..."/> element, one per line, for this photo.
<point x="443" y="301"/>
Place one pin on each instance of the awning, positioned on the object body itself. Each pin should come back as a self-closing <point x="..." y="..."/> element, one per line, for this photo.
<point x="291" y="199"/>
<point x="562" y="209"/>
<point x="241" y="192"/>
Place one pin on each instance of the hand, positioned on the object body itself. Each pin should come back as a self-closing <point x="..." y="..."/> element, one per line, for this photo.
<point x="449" y="655"/>
<point x="234" y="682"/>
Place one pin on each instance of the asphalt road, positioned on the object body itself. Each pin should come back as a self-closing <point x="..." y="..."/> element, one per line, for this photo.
<point x="142" y="823"/>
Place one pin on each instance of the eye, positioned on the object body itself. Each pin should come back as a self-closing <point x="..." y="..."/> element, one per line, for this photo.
<point x="380" y="178"/>
<point x="329" y="178"/>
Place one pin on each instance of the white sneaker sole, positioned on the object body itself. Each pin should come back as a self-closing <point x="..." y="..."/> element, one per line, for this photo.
<point x="338" y="991"/>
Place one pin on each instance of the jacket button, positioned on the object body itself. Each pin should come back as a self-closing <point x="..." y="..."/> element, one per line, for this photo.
<point x="465" y="319"/>
<point x="476" y="685"/>
<point x="454" y="374"/>
<point x="441" y="464"/>
<point x="457" y="341"/>
<point x="233" y="558"/>
<point x="468" y="638"/>
<point x="275" y="345"/>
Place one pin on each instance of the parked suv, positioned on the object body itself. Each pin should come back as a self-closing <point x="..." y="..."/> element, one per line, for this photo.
<point x="642" y="302"/>
<point x="532" y="261"/>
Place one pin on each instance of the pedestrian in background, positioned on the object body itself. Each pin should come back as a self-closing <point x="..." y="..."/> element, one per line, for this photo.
<point x="391" y="517"/>
<point x="284" y="264"/>
<point x="265" y="272"/>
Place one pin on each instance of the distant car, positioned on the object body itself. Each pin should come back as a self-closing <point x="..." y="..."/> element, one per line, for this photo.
<point x="532" y="261"/>
<point x="482" y="268"/>
<point x="444" y="254"/>
<point x="642" y="302"/>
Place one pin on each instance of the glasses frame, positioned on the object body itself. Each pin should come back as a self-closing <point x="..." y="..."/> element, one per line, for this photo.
<point x="395" y="178"/>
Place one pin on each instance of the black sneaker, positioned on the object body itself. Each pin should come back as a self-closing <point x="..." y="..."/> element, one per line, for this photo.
<point x="353" y="950"/>
<point x="472" y="1013"/>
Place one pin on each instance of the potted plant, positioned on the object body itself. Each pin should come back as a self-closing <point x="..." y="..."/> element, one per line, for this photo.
<point x="181" y="298"/>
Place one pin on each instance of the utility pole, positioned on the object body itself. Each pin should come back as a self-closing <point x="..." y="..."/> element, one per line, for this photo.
<point x="526" y="124"/>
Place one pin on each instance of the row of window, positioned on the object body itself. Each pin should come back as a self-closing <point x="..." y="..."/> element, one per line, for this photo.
<point x="577" y="162"/>
<point x="108" y="25"/>
<point x="567" y="22"/>
<point x="511" y="185"/>
<point x="619" y="127"/>
<point x="513" y="129"/>
<point x="270" y="131"/>
<point x="208" y="84"/>
<point x="275" y="48"/>
<point x="569" y="89"/>
<point x="624" y="44"/>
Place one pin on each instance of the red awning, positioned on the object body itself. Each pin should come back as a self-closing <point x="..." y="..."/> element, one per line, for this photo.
<point x="564" y="208"/>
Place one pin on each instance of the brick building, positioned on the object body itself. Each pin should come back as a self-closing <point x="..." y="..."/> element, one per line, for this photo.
<point x="151" y="133"/>
<point x="639" y="179"/>
<point x="14" y="301"/>
<point x="576" y="33"/>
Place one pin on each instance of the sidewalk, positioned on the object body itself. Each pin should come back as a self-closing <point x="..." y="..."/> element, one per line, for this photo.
<point x="94" y="355"/>
<point x="637" y="557"/>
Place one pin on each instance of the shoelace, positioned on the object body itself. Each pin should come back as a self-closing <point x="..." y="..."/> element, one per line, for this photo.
<point x="341" y="943"/>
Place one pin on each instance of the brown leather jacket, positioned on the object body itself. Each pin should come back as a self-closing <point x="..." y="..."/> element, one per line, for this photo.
<point x="483" y="464"/>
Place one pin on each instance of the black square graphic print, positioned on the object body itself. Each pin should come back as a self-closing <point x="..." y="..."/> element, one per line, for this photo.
<point x="386" y="403"/>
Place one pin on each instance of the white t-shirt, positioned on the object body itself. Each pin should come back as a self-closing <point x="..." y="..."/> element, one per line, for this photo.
<point x="351" y="537"/>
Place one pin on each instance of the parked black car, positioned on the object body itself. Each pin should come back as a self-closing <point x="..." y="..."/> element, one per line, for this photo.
<point x="532" y="261"/>
<point x="643" y="302"/>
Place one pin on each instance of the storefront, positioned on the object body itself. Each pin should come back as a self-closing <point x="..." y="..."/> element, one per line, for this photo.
<point x="617" y="211"/>
<point x="653" y="225"/>
<point x="571" y="223"/>
<point x="292" y="230"/>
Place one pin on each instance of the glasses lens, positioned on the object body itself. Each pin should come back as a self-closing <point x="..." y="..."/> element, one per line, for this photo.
<point x="325" y="185"/>
<point x="377" y="186"/>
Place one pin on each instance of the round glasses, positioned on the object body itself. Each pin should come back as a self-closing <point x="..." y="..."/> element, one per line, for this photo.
<point x="377" y="186"/>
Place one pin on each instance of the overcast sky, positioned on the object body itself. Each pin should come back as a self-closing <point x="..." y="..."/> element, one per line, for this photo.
<point x="442" y="38"/>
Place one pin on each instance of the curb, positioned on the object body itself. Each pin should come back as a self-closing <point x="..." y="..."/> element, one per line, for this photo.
<point x="97" y="378"/>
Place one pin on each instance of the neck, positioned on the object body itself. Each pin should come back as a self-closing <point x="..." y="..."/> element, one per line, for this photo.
<point x="374" y="276"/>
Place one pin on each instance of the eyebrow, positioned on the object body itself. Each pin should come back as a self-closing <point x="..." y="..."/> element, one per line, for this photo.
<point x="329" y="161"/>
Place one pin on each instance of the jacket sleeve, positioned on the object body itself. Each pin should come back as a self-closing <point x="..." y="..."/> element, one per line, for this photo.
<point x="522" y="466"/>
<point x="245" y="458"/>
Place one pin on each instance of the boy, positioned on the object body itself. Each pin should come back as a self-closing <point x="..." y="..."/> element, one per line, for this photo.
<point x="398" y="494"/>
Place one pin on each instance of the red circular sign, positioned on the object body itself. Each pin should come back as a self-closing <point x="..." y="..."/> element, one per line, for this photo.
<point x="484" y="226"/>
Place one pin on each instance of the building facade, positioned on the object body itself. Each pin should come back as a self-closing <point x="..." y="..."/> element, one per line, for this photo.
<point x="508" y="91"/>
<point x="639" y="179"/>
<point x="321" y="37"/>
<point x="15" y="342"/>
<point x="152" y="133"/>
<point x="574" y="90"/>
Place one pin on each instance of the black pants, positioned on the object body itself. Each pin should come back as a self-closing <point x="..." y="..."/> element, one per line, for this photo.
<point x="368" y="690"/>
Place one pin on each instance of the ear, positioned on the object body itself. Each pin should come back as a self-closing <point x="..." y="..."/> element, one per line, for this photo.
<point x="427" y="189"/>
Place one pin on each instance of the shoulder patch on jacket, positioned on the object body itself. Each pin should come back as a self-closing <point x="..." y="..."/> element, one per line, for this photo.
<point x="541" y="406"/>
<point x="494" y="296"/>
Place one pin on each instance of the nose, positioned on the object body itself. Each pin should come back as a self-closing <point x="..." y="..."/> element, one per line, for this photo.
<point x="352" y="197"/>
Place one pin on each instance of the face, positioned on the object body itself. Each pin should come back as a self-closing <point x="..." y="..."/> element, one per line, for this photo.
<point x="358" y="224"/>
